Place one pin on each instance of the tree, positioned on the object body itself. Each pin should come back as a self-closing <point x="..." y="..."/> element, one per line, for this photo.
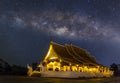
<point x="114" y="68"/>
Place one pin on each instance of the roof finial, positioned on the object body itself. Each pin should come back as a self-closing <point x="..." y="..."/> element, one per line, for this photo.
<point x="51" y="41"/>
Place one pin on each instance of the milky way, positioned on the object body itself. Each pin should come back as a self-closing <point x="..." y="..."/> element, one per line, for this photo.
<point x="26" y="26"/>
<point x="61" y="24"/>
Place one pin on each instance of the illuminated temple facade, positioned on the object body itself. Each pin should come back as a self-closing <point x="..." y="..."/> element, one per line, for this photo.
<point x="69" y="61"/>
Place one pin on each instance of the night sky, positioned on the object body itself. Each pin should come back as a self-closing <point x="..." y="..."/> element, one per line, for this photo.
<point x="28" y="26"/>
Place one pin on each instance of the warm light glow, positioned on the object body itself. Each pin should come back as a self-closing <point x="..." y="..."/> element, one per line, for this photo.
<point x="60" y="60"/>
<point x="48" y="54"/>
<point x="53" y="62"/>
<point x="77" y="65"/>
<point x="54" y="66"/>
<point x="53" y="57"/>
<point x="49" y="50"/>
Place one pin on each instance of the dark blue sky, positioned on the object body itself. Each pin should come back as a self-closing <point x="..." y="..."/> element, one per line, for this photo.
<point x="28" y="26"/>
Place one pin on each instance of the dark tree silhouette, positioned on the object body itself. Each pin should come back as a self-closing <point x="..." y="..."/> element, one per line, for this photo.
<point x="114" y="68"/>
<point x="6" y="69"/>
<point x="19" y="70"/>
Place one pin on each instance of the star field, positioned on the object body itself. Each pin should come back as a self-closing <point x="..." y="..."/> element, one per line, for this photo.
<point x="27" y="25"/>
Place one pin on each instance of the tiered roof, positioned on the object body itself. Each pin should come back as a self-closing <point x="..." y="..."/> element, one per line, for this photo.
<point x="73" y="54"/>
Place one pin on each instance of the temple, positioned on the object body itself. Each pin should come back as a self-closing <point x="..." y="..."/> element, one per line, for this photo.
<point x="70" y="61"/>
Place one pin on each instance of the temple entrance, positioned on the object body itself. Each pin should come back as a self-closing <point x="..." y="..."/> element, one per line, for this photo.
<point x="53" y="66"/>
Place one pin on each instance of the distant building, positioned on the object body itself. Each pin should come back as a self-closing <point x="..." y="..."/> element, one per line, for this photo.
<point x="69" y="61"/>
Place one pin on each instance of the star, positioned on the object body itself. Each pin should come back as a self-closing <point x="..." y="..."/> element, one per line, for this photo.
<point x="87" y="23"/>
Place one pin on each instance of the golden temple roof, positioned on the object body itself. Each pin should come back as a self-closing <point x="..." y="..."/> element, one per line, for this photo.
<point x="73" y="54"/>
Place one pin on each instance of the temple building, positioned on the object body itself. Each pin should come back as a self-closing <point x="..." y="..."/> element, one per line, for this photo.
<point x="70" y="59"/>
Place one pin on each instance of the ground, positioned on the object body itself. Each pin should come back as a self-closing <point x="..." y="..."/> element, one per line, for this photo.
<point x="26" y="79"/>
